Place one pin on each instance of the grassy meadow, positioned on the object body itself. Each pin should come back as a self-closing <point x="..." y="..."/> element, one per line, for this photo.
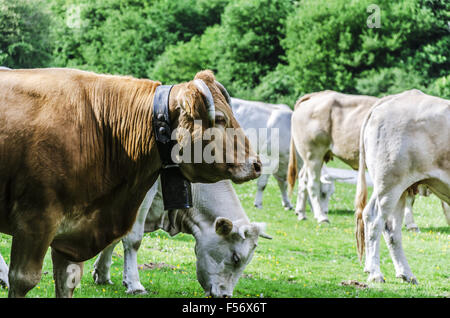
<point x="304" y="259"/>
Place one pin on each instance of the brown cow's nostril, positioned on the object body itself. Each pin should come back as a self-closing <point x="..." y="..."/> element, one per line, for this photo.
<point x="257" y="166"/>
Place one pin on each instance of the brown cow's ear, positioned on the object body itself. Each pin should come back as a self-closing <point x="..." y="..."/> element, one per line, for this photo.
<point x="223" y="226"/>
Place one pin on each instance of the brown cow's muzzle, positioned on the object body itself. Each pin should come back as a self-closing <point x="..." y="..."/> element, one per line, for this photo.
<point x="249" y="170"/>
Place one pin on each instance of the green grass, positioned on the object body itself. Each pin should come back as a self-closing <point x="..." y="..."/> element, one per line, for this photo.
<point x="304" y="259"/>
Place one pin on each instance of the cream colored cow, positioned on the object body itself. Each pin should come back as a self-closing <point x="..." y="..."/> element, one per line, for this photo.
<point x="404" y="142"/>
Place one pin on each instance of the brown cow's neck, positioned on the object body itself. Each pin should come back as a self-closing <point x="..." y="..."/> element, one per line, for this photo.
<point x="123" y="111"/>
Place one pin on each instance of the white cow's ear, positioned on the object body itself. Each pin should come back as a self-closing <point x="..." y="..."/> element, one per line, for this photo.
<point x="327" y="179"/>
<point x="223" y="226"/>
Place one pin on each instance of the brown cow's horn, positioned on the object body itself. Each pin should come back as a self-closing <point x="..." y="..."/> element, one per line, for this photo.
<point x="224" y="92"/>
<point x="209" y="100"/>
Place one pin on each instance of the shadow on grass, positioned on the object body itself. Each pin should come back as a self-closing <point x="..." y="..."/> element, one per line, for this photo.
<point x="341" y="212"/>
<point x="439" y="229"/>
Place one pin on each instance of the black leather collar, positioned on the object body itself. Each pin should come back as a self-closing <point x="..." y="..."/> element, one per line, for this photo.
<point x="176" y="189"/>
<point x="161" y="123"/>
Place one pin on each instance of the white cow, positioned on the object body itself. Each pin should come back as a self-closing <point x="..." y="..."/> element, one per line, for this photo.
<point x="253" y="115"/>
<point x="3" y="273"/>
<point x="324" y="124"/>
<point x="327" y="124"/>
<point x="404" y="142"/>
<point x="225" y="239"/>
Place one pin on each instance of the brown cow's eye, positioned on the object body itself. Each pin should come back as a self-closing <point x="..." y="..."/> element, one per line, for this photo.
<point x="221" y="120"/>
<point x="236" y="259"/>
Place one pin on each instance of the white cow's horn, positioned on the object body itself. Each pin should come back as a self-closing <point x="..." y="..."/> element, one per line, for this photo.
<point x="266" y="236"/>
<point x="209" y="100"/>
<point x="242" y="230"/>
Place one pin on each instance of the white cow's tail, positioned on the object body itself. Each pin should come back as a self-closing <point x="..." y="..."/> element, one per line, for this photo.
<point x="361" y="192"/>
<point x="292" y="167"/>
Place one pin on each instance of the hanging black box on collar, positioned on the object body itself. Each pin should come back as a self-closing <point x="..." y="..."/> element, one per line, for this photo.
<point x="176" y="189"/>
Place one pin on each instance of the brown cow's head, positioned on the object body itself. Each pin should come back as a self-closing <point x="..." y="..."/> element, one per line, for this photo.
<point x="211" y="144"/>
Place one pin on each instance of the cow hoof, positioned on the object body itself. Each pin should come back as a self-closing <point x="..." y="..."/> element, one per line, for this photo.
<point x="99" y="280"/>
<point x="376" y="278"/>
<point x="413" y="228"/>
<point x="288" y="208"/>
<point x="408" y="279"/>
<point x="301" y="215"/>
<point x="258" y="206"/>
<point x="134" y="288"/>
<point x="324" y="221"/>
<point x="136" y="291"/>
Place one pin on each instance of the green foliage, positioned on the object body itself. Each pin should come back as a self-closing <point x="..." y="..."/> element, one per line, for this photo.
<point x="241" y="50"/>
<point x="330" y="46"/>
<point x="24" y="28"/>
<point x="126" y="36"/>
<point x="181" y="62"/>
<point x="249" y="46"/>
<point x="269" y="50"/>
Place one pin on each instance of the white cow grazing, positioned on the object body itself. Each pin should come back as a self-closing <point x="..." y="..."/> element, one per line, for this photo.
<point x="225" y="239"/>
<point x="257" y="115"/>
<point x="3" y="273"/>
<point x="404" y="142"/>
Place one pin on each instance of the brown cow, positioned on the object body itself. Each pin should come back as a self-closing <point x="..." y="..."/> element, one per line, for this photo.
<point x="78" y="155"/>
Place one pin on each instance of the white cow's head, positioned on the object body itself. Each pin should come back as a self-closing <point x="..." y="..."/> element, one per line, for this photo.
<point x="223" y="252"/>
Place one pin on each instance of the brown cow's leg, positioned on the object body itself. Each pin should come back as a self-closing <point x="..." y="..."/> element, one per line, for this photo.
<point x="67" y="275"/>
<point x="27" y="256"/>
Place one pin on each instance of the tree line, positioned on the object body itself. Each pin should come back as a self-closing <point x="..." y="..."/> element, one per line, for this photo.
<point x="268" y="50"/>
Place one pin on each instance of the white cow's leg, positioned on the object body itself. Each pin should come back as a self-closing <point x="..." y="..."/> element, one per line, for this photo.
<point x="313" y="171"/>
<point x="372" y="230"/>
<point x="3" y="273"/>
<point x="282" y="184"/>
<point x="131" y="244"/>
<point x="302" y="195"/>
<point x="102" y="265"/>
<point x="261" y="185"/>
<point x="409" y="219"/>
<point x="66" y="274"/>
<point x="446" y="209"/>
<point x="326" y="191"/>
<point x="393" y="236"/>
